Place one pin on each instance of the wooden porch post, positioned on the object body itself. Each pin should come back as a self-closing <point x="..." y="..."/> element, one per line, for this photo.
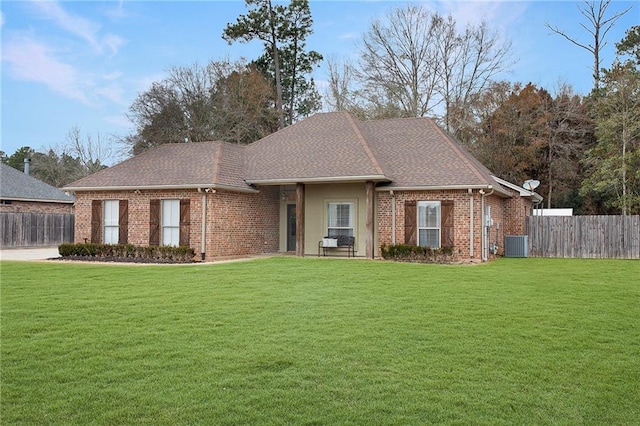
<point x="300" y="219"/>
<point x="369" y="240"/>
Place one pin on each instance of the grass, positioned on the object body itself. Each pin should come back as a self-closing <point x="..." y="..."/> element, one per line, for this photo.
<point x="321" y="342"/>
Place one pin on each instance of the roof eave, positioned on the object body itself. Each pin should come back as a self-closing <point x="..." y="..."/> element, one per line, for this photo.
<point x="537" y="198"/>
<point x="324" y="179"/>
<point x="38" y="200"/>
<point x="162" y="187"/>
<point x="443" y="188"/>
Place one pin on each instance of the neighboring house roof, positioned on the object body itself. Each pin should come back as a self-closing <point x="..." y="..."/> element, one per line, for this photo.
<point x="173" y="166"/>
<point x="18" y="186"/>
<point x="407" y="153"/>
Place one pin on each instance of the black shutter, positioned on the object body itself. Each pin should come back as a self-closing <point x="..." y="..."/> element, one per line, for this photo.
<point x="96" y="221"/>
<point x="446" y="226"/>
<point x="154" y="222"/>
<point x="185" y="221"/>
<point x="123" y="222"/>
<point x="410" y="225"/>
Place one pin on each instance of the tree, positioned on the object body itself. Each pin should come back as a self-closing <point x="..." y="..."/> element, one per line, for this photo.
<point x="510" y="137"/>
<point x="415" y="63"/>
<point x="220" y="101"/>
<point x="243" y="105"/>
<point x="630" y="45"/>
<point x="56" y="167"/>
<point x="468" y="64"/>
<point x="614" y="163"/>
<point x="283" y="30"/>
<point x="570" y="132"/>
<point x="339" y="94"/>
<point x="598" y="26"/>
<point x="16" y="160"/>
<point x="398" y="60"/>
<point x="92" y="153"/>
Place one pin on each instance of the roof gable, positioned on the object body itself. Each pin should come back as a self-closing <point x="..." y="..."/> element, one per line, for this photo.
<point x="16" y="185"/>
<point x="415" y="152"/>
<point x="327" y="146"/>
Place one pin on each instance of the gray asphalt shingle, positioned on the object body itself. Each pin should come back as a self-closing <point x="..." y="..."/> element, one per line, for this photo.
<point x="403" y="153"/>
<point x="16" y="185"/>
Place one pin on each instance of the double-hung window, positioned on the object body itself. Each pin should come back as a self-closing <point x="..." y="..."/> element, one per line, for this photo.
<point x="429" y="224"/>
<point x="340" y="219"/>
<point x="171" y="222"/>
<point x="111" y="225"/>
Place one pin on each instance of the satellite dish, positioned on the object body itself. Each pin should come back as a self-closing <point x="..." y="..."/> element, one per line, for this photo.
<point x="531" y="184"/>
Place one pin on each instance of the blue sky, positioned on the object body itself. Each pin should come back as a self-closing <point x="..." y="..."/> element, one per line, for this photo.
<point x="82" y="63"/>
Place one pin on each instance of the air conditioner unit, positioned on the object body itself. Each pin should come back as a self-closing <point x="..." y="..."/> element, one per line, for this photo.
<point x="516" y="246"/>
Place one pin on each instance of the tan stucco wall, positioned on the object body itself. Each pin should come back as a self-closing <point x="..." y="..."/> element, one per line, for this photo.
<point x="316" y="198"/>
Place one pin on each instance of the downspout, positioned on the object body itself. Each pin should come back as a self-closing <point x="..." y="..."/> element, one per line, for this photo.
<point x="485" y="248"/>
<point x="203" y="242"/>
<point x="393" y="217"/>
<point x="471" y="235"/>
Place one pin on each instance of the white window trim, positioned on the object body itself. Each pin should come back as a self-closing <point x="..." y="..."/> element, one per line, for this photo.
<point x="352" y="216"/>
<point x="110" y="223"/>
<point x="426" y="228"/>
<point x="173" y="225"/>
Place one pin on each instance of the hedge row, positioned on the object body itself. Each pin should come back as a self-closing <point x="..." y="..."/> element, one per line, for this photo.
<point x="418" y="254"/>
<point x="128" y="252"/>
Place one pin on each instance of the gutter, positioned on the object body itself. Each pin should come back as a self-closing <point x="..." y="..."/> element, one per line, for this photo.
<point x="325" y="179"/>
<point x="39" y="200"/>
<point x="446" y="188"/>
<point x="197" y="186"/>
<point x="485" y="250"/>
<point x="203" y="236"/>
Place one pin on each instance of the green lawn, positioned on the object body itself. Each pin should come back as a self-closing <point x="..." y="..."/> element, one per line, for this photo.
<point x="321" y="341"/>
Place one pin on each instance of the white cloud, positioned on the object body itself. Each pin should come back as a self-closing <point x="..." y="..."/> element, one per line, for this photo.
<point x="120" y="120"/>
<point x="496" y="13"/>
<point x="113" y="92"/>
<point x="77" y="25"/>
<point x="81" y="27"/>
<point x="113" y="42"/>
<point x="30" y="60"/>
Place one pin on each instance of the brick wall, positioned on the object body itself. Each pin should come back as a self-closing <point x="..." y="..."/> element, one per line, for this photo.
<point x="36" y="207"/>
<point x="507" y="213"/>
<point x="236" y="223"/>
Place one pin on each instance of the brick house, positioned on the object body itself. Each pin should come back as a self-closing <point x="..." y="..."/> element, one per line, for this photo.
<point x="381" y="182"/>
<point x="21" y="193"/>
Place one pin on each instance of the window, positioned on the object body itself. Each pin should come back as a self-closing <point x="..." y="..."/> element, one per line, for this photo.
<point x="429" y="224"/>
<point x="340" y="219"/>
<point x="171" y="222"/>
<point x="111" y="214"/>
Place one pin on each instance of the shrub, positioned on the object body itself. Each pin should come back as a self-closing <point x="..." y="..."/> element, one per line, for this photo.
<point x="126" y="252"/>
<point x="418" y="254"/>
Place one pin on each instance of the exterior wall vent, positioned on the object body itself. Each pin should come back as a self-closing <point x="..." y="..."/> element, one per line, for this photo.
<point x="516" y="246"/>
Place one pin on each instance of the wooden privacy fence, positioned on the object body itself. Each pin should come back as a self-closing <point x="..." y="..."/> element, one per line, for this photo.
<point x="35" y="229"/>
<point x="610" y="237"/>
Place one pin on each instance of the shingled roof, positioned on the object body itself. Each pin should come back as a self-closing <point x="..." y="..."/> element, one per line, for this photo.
<point x="401" y="153"/>
<point x="408" y="153"/>
<point x="18" y="186"/>
<point x="416" y="153"/>
<point x="324" y="147"/>
<point x="173" y="166"/>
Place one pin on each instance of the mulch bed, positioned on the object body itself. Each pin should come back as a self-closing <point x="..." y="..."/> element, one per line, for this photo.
<point x="113" y="259"/>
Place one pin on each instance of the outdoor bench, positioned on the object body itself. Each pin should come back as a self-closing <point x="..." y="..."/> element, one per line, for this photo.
<point x="341" y="241"/>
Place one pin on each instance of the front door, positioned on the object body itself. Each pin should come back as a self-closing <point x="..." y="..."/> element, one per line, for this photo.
<point x="291" y="227"/>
